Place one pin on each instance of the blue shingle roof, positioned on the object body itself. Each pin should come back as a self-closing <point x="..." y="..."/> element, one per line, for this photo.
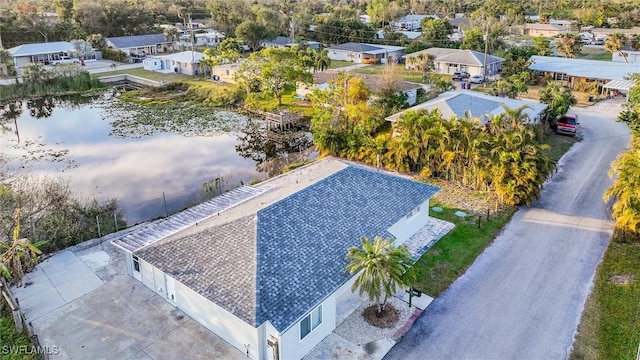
<point x="124" y="42"/>
<point x="302" y="240"/>
<point x="355" y="47"/>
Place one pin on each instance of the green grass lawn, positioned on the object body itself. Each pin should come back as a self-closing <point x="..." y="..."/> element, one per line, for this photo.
<point x="610" y="325"/>
<point x="560" y="144"/>
<point x="450" y="257"/>
<point x="594" y="54"/>
<point x="11" y="338"/>
<point x="406" y="75"/>
<point x="340" y="63"/>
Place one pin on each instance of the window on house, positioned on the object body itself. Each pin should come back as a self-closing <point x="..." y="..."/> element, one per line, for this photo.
<point x="136" y="264"/>
<point x="310" y="322"/>
<point x="413" y="212"/>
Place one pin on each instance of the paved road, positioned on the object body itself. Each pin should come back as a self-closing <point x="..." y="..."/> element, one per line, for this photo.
<point x="523" y="297"/>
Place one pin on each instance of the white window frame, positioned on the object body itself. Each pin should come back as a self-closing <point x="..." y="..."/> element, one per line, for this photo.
<point x="311" y="321"/>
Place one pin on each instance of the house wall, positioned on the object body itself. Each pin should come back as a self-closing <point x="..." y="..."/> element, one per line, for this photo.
<point x="406" y="227"/>
<point x="294" y="348"/>
<point x="21" y="61"/>
<point x="632" y="57"/>
<point x="221" y="322"/>
<point x="443" y="67"/>
<point x="345" y="55"/>
<point x="394" y="55"/>
<point x="224" y="73"/>
<point x="544" y="33"/>
<point x="266" y="352"/>
<point x="152" y="64"/>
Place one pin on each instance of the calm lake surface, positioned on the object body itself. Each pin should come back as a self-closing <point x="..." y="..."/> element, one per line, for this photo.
<point x="110" y="149"/>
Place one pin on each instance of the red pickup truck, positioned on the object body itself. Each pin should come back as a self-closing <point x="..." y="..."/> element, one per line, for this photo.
<point x="567" y="124"/>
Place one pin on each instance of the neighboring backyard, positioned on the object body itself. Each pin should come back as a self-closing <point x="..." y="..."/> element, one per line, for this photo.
<point x="594" y="54"/>
<point x="406" y="75"/>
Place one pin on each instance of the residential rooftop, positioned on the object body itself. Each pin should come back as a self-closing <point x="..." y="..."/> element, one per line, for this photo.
<point x="457" y="56"/>
<point x="41" y="48"/>
<point x="278" y="254"/>
<point x="124" y="42"/>
<point x="480" y="106"/>
<point x="590" y="69"/>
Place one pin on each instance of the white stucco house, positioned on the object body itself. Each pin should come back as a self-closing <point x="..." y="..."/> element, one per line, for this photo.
<point x="321" y="81"/>
<point x="210" y="38"/>
<point x="545" y="30"/>
<point x="411" y="22"/>
<point x="447" y="61"/>
<point x="631" y="56"/>
<point x="263" y="267"/>
<point x="360" y="52"/>
<point x="185" y="62"/>
<point x="480" y="106"/>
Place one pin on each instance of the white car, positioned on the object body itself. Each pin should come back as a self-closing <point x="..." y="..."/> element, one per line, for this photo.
<point x="476" y="79"/>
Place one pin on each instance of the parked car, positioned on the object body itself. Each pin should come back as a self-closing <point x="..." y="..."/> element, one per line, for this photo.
<point x="597" y="42"/>
<point x="370" y="61"/>
<point x="476" y="79"/>
<point x="567" y="124"/>
<point x="460" y="75"/>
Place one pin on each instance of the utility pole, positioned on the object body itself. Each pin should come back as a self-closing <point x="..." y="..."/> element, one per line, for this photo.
<point x="193" y="41"/>
<point x="486" y="51"/>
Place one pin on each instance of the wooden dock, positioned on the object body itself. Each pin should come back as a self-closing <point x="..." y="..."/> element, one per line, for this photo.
<point x="283" y="120"/>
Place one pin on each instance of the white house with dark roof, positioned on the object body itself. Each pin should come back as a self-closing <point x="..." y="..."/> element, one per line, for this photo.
<point x="480" y="106"/>
<point x="185" y="62"/>
<point x="43" y="53"/>
<point x="447" y="61"/>
<point x="140" y="45"/>
<point x="263" y="266"/>
<point x="357" y="52"/>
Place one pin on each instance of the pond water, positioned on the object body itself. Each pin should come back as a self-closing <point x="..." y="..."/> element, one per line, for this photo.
<point x="143" y="156"/>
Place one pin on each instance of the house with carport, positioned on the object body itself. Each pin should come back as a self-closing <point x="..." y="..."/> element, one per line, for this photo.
<point x="361" y="53"/>
<point x="479" y="106"/>
<point x="447" y="61"/>
<point x="140" y="45"/>
<point x="263" y="267"/>
<point x="608" y="75"/>
<point x="185" y="62"/>
<point x="41" y="53"/>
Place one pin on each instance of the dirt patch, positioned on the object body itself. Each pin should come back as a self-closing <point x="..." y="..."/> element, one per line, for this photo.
<point x="388" y="319"/>
<point x="451" y="195"/>
<point x="624" y="279"/>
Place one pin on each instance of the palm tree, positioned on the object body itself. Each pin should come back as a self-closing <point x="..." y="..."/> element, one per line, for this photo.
<point x="615" y="43"/>
<point x="6" y="63"/>
<point x="321" y="60"/>
<point x="18" y="256"/>
<point x="635" y="42"/>
<point x="422" y="62"/>
<point x="569" y="45"/>
<point x="381" y="266"/>
<point x="171" y="35"/>
<point x="626" y="207"/>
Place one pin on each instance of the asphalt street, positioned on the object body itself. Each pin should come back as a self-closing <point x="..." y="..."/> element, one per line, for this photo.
<point x="523" y="297"/>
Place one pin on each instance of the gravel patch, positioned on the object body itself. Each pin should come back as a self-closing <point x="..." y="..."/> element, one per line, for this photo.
<point x="356" y="329"/>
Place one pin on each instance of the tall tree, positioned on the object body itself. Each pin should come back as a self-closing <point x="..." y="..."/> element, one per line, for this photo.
<point x="473" y="39"/>
<point x="252" y="33"/>
<point x="436" y="30"/>
<point x="615" y="43"/>
<point x="171" y="35"/>
<point x="383" y="266"/>
<point x="422" y="62"/>
<point x="276" y="68"/>
<point x="635" y="42"/>
<point x="542" y="45"/>
<point x="569" y="44"/>
<point x="321" y="60"/>
<point x="559" y="99"/>
<point x="626" y="208"/>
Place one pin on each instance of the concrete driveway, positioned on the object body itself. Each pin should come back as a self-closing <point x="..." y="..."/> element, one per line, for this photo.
<point x="523" y="297"/>
<point x="82" y="305"/>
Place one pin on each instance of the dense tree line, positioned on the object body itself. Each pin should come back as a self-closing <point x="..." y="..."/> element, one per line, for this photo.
<point x="503" y="156"/>
<point x="624" y="190"/>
